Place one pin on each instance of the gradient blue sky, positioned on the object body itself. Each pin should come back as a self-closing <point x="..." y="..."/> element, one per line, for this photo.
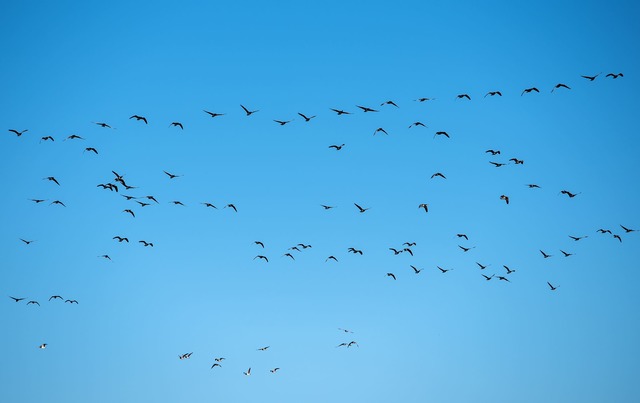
<point x="437" y="337"/>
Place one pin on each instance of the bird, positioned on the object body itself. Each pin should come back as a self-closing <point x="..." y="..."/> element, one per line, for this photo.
<point x="295" y="248"/>
<point x="424" y="99"/>
<point x="380" y="129"/>
<point x="509" y="271"/>
<point x="171" y="176"/>
<point x="552" y="287"/>
<point x="614" y="76"/>
<point x="259" y="244"/>
<point x="138" y="118"/>
<point x="102" y="124"/>
<point x="460" y="96"/>
<point x="505" y="198"/>
<point x="55" y="297"/>
<point x="395" y="251"/>
<point x="18" y="132"/>
<point x="128" y="197"/>
<point x="129" y="211"/>
<point x="517" y="161"/>
<point x="415" y="269"/>
<point x="544" y="255"/>
<point x="482" y="267"/>
<point x="177" y="203"/>
<point x="409" y="244"/>
<point x="465" y="249"/>
<point x="91" y="149"/>
<point x="338" y="148"/>
<point x="604" y="231"/>
<point x="304" y="246"/>
<point x="58" y="202"/>
<point x="616" y="236"/>
<point x="45" y="138"/>
<point x="213" y="114"/>
<point x="37" y="201"/>
<point x="121" y="238"/>
<point x="305" y="117"/>
<point x="389" y="103"/>
<point x="142" y="204"/>
<point x="345" y="330"/>
<point x="327" y="207"/>
<point x="219" y="359"/>
<point x="43" y="346"/>
<point x="493" y="152"/>
<point x="248" y="372"/>
<point x="282" y="122"/>
<point x="263" y="348"/>
<point x="503" y="279"/>
<point x="105" y="257"/>
<point x="247" y="111"/>
<point x="409" y="251"/>
<point x="493" y="93"/>
<point x="16" y="299"/>
<point x="352" y="343"/>
<point x="145" y="243"/>
<point x="417" y="124"/>
<point x="185" y="356"/>
<point x="441" y="133"/>
<point x="33" y="302"/>
<point x="209" y="205"/>
<point x="438" y="174"/>
<point x="497" y="164"/>
<point x="392" y="276"/>
<point x="177" y="124"/>
<point x="332" y="258"/>
<point x="290" y="255"/>
<point x="365" y="109"/>
<point x="571" y="195"/>
<point x="26" y="241"/>
<point x="354" y="251"/>
<point x="215" y="364"/>
<point x="70" y="301"/>
<point x="443" y="270"/>
<point x="560" y="85"/>
<point x="261" y="257"/>
<point x="488" y="277"/>
<point x="52" y="179"/>
<point x="566" y="254"/>
<point x="532" y="186"/>
<point x="362" y="210"/>
<point x="274" y="370"/>
<point x="463" y="236"/>
<point x="340" y="112"/>
<point x="627" y="230"/>
<point x="231" y="205"/>
<point x="424" y="206"/>
<point x="577" y="238"/>
<point x="528" y="90"/>
<point x="591" y="78"/>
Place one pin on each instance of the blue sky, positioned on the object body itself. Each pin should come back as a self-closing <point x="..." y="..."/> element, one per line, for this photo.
<point x="452" y="337"/>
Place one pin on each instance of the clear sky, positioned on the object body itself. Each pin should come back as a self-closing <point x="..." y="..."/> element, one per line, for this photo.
<point x="426" y="337"/>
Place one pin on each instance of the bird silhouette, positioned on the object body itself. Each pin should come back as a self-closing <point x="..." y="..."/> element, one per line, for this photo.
<point x="259" y="244"/>
<point x="91" y="149"/>
<point x="18" y="132"/>
<point x="566" y="254"/>
<point x="497" y="164"/>
<point x="142" y="204"/>
<point x="52" y="179"/>
<point x="389" y="103"/>
<point x="604" y="231"/>
<point x="365" y="109"/>
<point x="43" y="346"/>
<point x="443" y="270"/>
<point x="247" y="111"/>
<point x="338" y="148"/>
<point x="503" y="279"/>
<point x="215" y="364"/>
<point x="145" y="243"/>
<point x="38" y="201"/>
<point x="104" y="125"/>
<point x="263" y="348"/>
<point x="340" y="112"/>
<point x="248" y="372"/>
<point x="261" y="257"/>
<point x="460" y="96"/>
<point x="305" y="117"/>
<point x="517" y="161"/>
<point x="274" y="370"/>
<point x="27" y="242"/>
<point x="424" y="99"/>
<point x="362" y="210"/>
<point x="177" y="124"/>
<point x="627" y="230"/>
<point x="462" y="236"/>
<point x="209" y="205"/>
<point x="58" y="202"/>
<point x="121" y="239"/>
<point x="424" y="206"/>
<point x="232" y="206"/>
<point x="482" y="267"/>
<point x="616" y="236"/>
<point x="438" y="174"/>
<point x="614" y="76"/>
<point x="380" y="130"/>
<point x="441" y="133"/>
<point x="282" y="122"/>
<point x="493" y="152"/>
<point x="139" y="118"/>
<point x="591" y="78"/>
<point x="488" y="277"/>
<point x="177" y="203"/>
<point x="70" y="301"/>
<point x="213" y="114"/>
<point x="544" y="255"/>
<point x="532" y="186"/>
<point x="552" y="287"/>
<point x="415" y="269"/>
<point x="331" y="258"/>
<point x="509" y="271"/>
<point x="571" y="195"/>
<point x="493" y="93"/>
<point x="129" y="211"/>
<point x="528" y="90"/>
<point x="465" y="249"/>
<point x="505" y="198"/>
<point x="389" y="275"/>
<point x="171" y="176"/>
<point x="560" y="85"/>
<point x="16" y="299"/>
<point x="55" y="297"/>
<point x="354" y="251"/>
<point x="289" y="255"/>
<point x="415" y="124"/>
<point x="577" y="238"/>
<point x="45" y="138"/>
<point x="324" y="206"/>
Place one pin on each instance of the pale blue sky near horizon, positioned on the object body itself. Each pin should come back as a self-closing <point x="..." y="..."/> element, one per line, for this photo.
<point x="451" y="337"/>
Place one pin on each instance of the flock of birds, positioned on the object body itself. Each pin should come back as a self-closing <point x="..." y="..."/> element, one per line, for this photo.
<point x="118" y="184"/>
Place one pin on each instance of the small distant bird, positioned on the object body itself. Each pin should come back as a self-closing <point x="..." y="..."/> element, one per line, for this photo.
<point x="528" y="90"/>
<point x="380" y="129"/>
<point x="43" y="346"/>
<point x="259" y="244"/>
<point x="424" y="206"/>
<point x="591" y="78"/>
<point x="71" y="301"/>
<point x="503" y="279"/>
<point x="415" y="269"/>
<point x="295" y="248"/>
<point x="138" y="118"/>
<point x="345" y="330"/>
<point x="505" y="198"/>
<point x="33" y="302"/>
<point x="604" y="231"/>
<point x="488" y="277"/>
<point x="438" y="174"/>
<point x="532" y="186"/>
<point x="410" y="244"/>
<point x="145" y="243"/>
<point x="213" y="114"/>
<point x="460" y="96"/>
<point x="482" y="267"/>
<point x="425" y="99"/>
<point x="102" y="124"/>
<point x="616" y="236"/>
<point x="362" y="210"/>
<point x="16" y="299"/>
<point x="352" y="343"/>
<point x="91" y="149"/>
<point x="219" y="359"/>
<point x="231" y="205"/>
<point x="209" y="205"/>
<point x="571" y="195"/>
<point x="282" y="122"/>
<point x="177" y="124"/>
<point x="121" y="238"/>
<point x="263" y="348"/>
<point x="129" y="211"/>
<point x="304" y="246"/>
<point x="128" y="197"/>
<point x="544" y="255"/>
<point x="327" y="207"/>
<point x="52" y="179"/>
<point x="395" y="251"/>
<point x="509" y="271"/>
<point x="566" y="254"/>
<point x="493" y="152"/>
<point x="443" y="270"/>
<point x="493" y="93"/>
<point x="463" y="236"/>
<point x="55" y="297"/>
<point x="58" y="202"/>
<point x="627" y="230"/>
<point x="185" y="356"/>
<point x="105" y="257"/>
<point x="497" y="164"/>
<point x="26" y="241"/>
<point x="274" y="370"/>
<point x="37" y="201"/>
<point x="390" y="275"/>
<point x="560" y="85"/>
<point x="517" y="161"/>
<point x="215" y="364"/>
<point x="465" y="249"/>
<point x="247" y="111"/>
<point x="365" y="109"/>
<point x="354" y="251"/>
<point x="45" y="138"/>
<point x="614" y="76"/>
<point x="332" y="258"/>
<point x="18" y="133"/>
<point x="306" y="118"/>
<point x="577" y="238"/>
<point x="142" y="204"/>
<point x="442" y="134"/>
<point x="338" y="148"/>
<point x="171" y="176"/>
<point x="177" y="203"/>
<point x="417" y="124"/>
<point x="340" y="112"/>
<point x="409" y="251"/>
<point x="289" y="255"/>
<point x="74" y="137"/>
<point x="552" y="287"/>
<point x="261" y="257"/>
<point x="248" y="372"/>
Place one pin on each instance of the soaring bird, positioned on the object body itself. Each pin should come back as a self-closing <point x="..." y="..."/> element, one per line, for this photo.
<point x="528" y="90"/>
<point x="392" y="276"/>
<point x="274" y="370"/>
<point x="27" y="242"/>
<point x="424" y="99"/>
<point x="517" y="161"/>
<point x="614" y="76"/>
<point x="552" y="287"/>
<point x="129" y="197"/>
<point x="409" y="251"/>
<point x="33" y="302"/>
<point x="145" y="243"/>
<point x="231" y="205"/>
<point x="16" y="299"/>
<point x="604" y="231"/>
<point x="415" y="269"/>
<point x="493" y="93"/>
<point x="616" y="236"/>
<point x="121" y="238"/>
<point x="247" y="111"/>
<point x="505" y="198"/>
<point x="18" y="133"/>
<point x="441" y="134"/>
<point x="215" y="364"/>
<point x="324" y="206"/>
<point x="263" y="348"/>
<point x="627" y="230"/>
<point x="465" y="249"/>
<point x="532" y="186"/>
<point x="365" y="109"/>
<point x="37" y="201"/>
<point x="70" y="301"/>
<point x="354" y="251"/>
<point x="591" y="78"/>
<point x="209" y="205"/>
<point x="396" y="251"/>
<point x="289" y="255"/>
<point x="213" y="114"/>
<point x="58" y="202"/>
<point x="338" y="148"/>
<point x="138" y="118"/>
<point x="560" y="85"/>
<point x="493" y="152"/>
<point x="497" y="164"/>
<point x="129" y="211"/>
<point x="503" y="279"/>
<point x="282" y="122"/>
<point x="142" y="204"/>
<point x="177" y="203"/>
<point x="571" y="195"/>
<point x="259" y="244"/>
<point x="380" y="129"/>
<point x="45" y="138"/>
<point x="443" y="270"/>
<point x="463" y="236"/>
<point x="566" y="254"/>
<point x="460" y="96"/>
<point x="43" y="346"/>
<point x="305" y="117"/>
<point x="261" y="257"/>
<point x="177" y="124"/>
<point x="438" y="174"/>
<point x="424" y="206"/>
<point x="509" y="271"/>
<point x="91" y="149"/>
<point x="482" y="267"/>
<point x="340" y="112"/>
<point x="409" y="244"/>
<point x="362" y="210"/>
<point x="102" y="124"/>
<point x="488" y="277"/>
<point x="331" y="258"/>
<point x="52" y="179"/>
<point x="55" y="297"/>
<point x="389" y="103"/>
<point x="304" y="246"/>
<point x="544" y="255"/>
<point x="577" y="238"/>
<point x="248" y="372"/>
<point x="171" y="176"/>
<point x="105" y="257"/>
<point x="417" y="124"/>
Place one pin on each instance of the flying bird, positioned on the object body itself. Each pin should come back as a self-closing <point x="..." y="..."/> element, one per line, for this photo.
<point x="177" y="203"/>
<point x="91" y="149"/>
<point x="274" y="370"/>
<point x="45" y="138"/>
<point x="290" y="255"/>
<point x="138" y="118"/>
<point x="443" y="270"/>
<point x="354" y="251"/>
<point x="26" y="241"/>
<point x="509" y="271"/>
<point x="627" y="230"/>
<point x="497" y="164"/>
<point x="332" y="258"/>
<point x="16" y="299"/>
<point x="488" y="277"/>
<point x="552" y="287"/>
<point x="247" y="111"/>
<point x="577" y="238"/>
<point x="145" y="243"/>
<point x="338" y="148"/>
<point x="52" y="179"/>
<point x="438" y="174"/>
<point x="395" y="251"/>
<point x="544" y="255"/>
<point x="18" y="133"/>
<point x="261" y="257"/>
<point x="37" y="201"/>
<point x="415" y="269"/>
<point x="259" y="244"/>
<point x="517" y="161"/>
<point x="121" y="238"/>
<point x="614" y="76"/>
<point x="362" y="210"/>
<point x="327" y="207"/>
<point x="177" y="124"/>
<point x="482" y="267"/>
<point x="560" y="85"/>
<point x="505" y="198"/>
<point x="566" y="254"/>
<point x="213" y="114"/>
<point x="571" y="195"/>
<point x="389" y="103"/>
<point x="171" y="176"/>
<point x="424" y="99"/>
<point x="263" y="348"/>
<point x="282" y="122"/>
<point x="392" y="276"/>
<point x="340" y="112"/>
<point x="424" y="206"/>
<point x="417" y="124"/>
<point x="528" y="90"/>
<point x="248" y="372"/>
<point x="306" y="118"/>
<point x="129" y="211"/>
<point x="503" y="279"/>
<point x="380" y="129"/>
<point x="43" y="346"/>
<point x="465" y="249"/>
<point x="410" y="244"/>
<point x="591" y="78"/>
<point x="231" y="205"/>
<point x="102" y="124"/>
<point x="463" y="236"/>
<point x="460" y="96"/>
<point x="215" y="364"/>
<point x="58" y="202"/>
<point x="105" y="257"/>
<point x="209" y="205"/>
<point x="365" y="109"/>
<point x="532" y="186"/>
<point x="33" y="302"/>
<point x="493" y="93"/>
<point x="441" y="134"/>
<point x="55" y="297"/>
<point x="493" y="152"/>
<point x="616" y="236"/>
<point x="70" y="301"/>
